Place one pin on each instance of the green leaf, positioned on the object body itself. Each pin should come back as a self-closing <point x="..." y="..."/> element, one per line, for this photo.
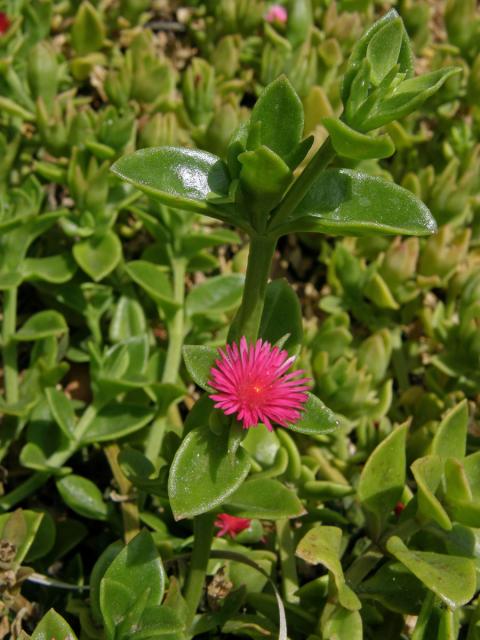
<point x="177" y="177"/>
<point x="394" y="586"/>
<point x="216" y="295"/>
<point x="82" y="496"/>
<point x="346" y="202"/>
<point x="384" y="48"/>
<point x="128" y="320"/>
<point x="138" y="565"/>
<point x="204" y="472"/>
<point x="451" y="578"/>
<point x="62" y="411"/>
<point x="264" y="177"/>
<point x="264" y="498"/>
<point x="428" y="472"/>
<point x="282" y="315"/>
<point x="154" y="282"/>
<point x="116" y="600"/>
<point x="157" y="622"/>
<point x="199" y="360"/>
<point x="316" y="418"/>
<point x="322" y="545"/>
<point x="88" y="30"/>
<point x="98" y="256"/>
<point x="382" y="479"/>
<point x="195" y="242"/>
<point x="279" y="114"/>
<point x="20" y="527"/>
<point x="55" y="269"/>
<point x="343" y="624"/>
<point x="118" y="419"/>
<point x="450" y="440"/>
<point x="42" y="325"/>
<point x="351" y="144"/>
<point x="53" y="627"/>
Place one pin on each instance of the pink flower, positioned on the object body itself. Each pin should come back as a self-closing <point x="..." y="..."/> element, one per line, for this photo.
<point x="276" y="13"/>
<point x="251" y="382"/>
<point x="230" y="525"/>
<point x="4" y="23"/>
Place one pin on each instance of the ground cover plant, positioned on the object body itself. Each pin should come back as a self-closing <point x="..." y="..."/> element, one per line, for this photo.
<point x="240" y="285"/>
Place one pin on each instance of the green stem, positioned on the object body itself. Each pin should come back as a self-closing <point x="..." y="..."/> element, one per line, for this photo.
<point x="286" y="550"/>
<point x="303" y="183"/>
<point x="173" y="359"/>
<point x="247" y="322"/>
<point x="202" y="541"/>
<point x="10" y="365"/>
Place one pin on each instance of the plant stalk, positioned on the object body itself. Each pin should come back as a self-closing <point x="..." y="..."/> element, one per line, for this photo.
<point x="202" y="542"/>
<point x="247" y="321"/>
<point x="129" y="508"/>
<point x="303" y="184"/>
<point x="10" y="364"/>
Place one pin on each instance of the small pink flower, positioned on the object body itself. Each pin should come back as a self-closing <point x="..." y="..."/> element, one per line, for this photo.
<point x="4" y="23"/>
<point x="277" y="13"/>
<point x="252" y="382"/>
<point x="230" y="525"/>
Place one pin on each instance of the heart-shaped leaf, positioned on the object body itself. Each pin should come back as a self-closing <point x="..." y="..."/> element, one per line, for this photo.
<point x="98" y="256"/>
<point x="42" y="325"/>
<point x="204" y="472"/>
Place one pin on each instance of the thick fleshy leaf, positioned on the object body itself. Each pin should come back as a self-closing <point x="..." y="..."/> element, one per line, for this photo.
<point x="384" y="48"/>
<point x="154" y="282"/>
<point x="351" y="144"/>
<point x="394" y="586"/>
<point x="282" y="315"/>
<point x="118" y="419"/>
<point x="279" y="114"/>
<point x="451" y="578"/>
<point x="56" y="269"/>
<point x="20" y="527"/>
<point x="216" y="295"/>
<point x="82" y="496"/>
<point x="52" y="625"/>
<point x="346" y="202"/>
<point x="199" y="360"/>
<point x="383" y="477"/>
<point x="62" y="410"/>
<point x="316" y="418"/>
<point x="204" y="472"/>
<point x="343" y="624"/>
<point x="42" y="325"/>
<point x="450" y="439"/>
<point x="263" y="195"/>
<point x="177" y="177"/>
<point x="98" y="256"/>
<point x="321" y="545"/>
<point x="427" y="472"/>
<point x="128" y="320"/>
<point x="264" y="498"/>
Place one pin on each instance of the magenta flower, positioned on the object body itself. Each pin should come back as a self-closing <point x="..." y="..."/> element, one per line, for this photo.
<point x="252" y="382"/>
<point x="277" y="13"/>
<point x="230" y="525"/>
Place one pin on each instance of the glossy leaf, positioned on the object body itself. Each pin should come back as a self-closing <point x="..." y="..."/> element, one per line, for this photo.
<point x="282" y="315"/>
<point x="42" y="325"/>
<point x="264" y="498"/>
<point x="394" y="586"/>
<point x="451" y="578"/>
<point x="451" y="436"/>
<point x="384" y="48"/>
<point x="154" y="282"/>
<point x="98" y="256"/>
<point x="383" y="477"/>
<point x="316" y="418"/>
<point x="351" y="144"/>
<point x="279" y="114"/>
<point x="82" y="496"/>
<point x="321" y="545"/>
<point x="199" y="360"/>
<point x="216" y="295"/>
<point x="55" y="269"/>
<point x="177" y="177"/>
<point x="343" y="624"/>
<point x="342" y="201"/>
<point x="116" y="420"/>
<point x="62" y="411"/>
<point x="427" y="472"/>
<point x="263" y="195"/>
<point x="204" y="473"/>
<point x="52" y="625"/>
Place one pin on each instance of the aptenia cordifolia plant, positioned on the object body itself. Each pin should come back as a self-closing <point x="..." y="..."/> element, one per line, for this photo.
<point x="256" y="191"/>
<point x="262" y="454"/>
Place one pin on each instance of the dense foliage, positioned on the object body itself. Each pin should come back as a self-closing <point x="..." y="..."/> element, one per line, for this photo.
<point x="362" y="519"/>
